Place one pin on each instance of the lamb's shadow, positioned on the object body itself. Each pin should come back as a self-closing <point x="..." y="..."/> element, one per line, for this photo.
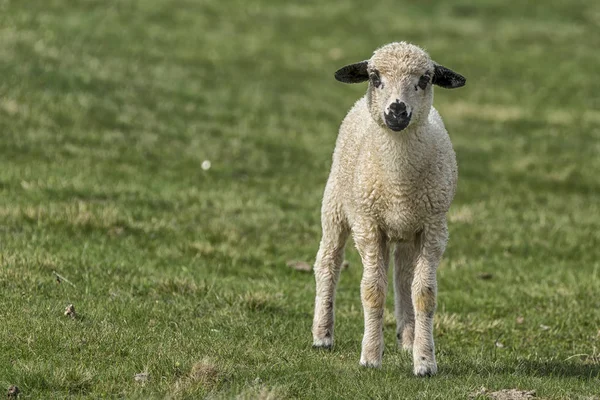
<point x="540" y="368"/>
<point x="559" y="369"/>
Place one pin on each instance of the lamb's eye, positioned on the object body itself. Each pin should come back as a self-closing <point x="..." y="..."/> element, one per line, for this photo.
<point x="423" y="81"/>
<point x="375" y="79"/>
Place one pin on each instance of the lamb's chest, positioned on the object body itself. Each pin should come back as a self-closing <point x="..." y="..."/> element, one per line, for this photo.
<point x="402" y="219"/>
<point x="398" y="209"/>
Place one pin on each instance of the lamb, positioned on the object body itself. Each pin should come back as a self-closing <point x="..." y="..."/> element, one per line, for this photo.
<point x="391" y="183"/>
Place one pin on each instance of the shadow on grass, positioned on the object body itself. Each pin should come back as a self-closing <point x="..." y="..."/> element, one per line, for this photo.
<point x="559" y="369"/>
<point x="551" y="368"/>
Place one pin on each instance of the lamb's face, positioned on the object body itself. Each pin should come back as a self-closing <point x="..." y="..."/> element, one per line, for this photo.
<point x="400" y="90"/>
<point x="400" y="79"/>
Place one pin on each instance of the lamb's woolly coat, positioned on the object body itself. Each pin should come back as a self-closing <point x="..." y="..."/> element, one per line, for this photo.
<point x="396" y="181"/>
<point x="388" y="187"/>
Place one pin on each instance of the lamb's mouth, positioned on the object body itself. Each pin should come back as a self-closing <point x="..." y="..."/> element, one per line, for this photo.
<point x="397" y="124"/>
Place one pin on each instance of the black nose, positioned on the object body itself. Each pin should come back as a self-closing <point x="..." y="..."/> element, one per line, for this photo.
<point x="398" y="108"/>
<point x="398" y="117"/>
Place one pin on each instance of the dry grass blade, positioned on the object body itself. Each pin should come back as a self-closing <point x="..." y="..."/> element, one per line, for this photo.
<point x="70" y="311"/>
<point x="60" y="278"/>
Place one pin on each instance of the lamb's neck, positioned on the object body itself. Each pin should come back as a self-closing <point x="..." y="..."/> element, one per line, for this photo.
<point x="396" y="143"/>
<point x="399" y="153"/>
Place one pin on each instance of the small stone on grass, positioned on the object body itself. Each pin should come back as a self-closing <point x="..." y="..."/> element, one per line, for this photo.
<point x="299" y="265"/>
<point x="142" y="377"/>
<point x="13" y="392"/>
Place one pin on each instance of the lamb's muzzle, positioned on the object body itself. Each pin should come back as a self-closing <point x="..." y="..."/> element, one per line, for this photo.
<point x="397" y="117"/>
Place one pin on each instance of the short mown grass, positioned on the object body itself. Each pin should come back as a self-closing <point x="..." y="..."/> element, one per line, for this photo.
<point x="108" y="110"/>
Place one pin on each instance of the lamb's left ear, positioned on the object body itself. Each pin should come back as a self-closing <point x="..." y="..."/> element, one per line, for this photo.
<point x="353" y="73"/>
<point x="447" y="78"/>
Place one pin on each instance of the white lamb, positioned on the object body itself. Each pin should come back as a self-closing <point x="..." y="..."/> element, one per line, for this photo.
<point x="392" y="180"/>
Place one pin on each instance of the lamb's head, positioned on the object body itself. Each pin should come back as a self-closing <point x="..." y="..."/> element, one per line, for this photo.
<point x="400" y="77"/>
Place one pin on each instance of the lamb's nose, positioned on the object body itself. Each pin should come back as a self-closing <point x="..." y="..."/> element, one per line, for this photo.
<point x="398" y="108"/>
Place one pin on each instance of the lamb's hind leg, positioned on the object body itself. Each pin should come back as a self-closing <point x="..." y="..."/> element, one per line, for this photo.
<point x="424" y="293"/>
<point x="404" y="268"/>
<point x="327" y="271"/>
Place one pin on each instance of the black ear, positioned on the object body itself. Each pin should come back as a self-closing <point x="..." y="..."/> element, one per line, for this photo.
<point x="353" y="73"/>
<point x="447" y="78"/>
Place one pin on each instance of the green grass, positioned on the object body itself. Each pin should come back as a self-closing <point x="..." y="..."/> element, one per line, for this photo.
<point x="108" y="109"/>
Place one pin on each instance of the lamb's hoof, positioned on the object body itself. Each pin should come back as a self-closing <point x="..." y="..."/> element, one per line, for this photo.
<point x="369" y="364"/>
<point x="325" y="343"/>
<point x="405" y="343"/>
<point x="425" y="368"/>
<point x="406" y="347"/>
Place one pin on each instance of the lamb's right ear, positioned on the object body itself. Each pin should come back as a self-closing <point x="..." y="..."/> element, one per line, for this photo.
<point x="353" y="73"/>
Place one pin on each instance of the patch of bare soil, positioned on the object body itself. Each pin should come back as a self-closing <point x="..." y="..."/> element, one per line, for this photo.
<point x="504" y="394"/>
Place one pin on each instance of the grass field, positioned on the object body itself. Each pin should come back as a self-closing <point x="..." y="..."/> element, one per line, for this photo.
<point x="109" y="108"/>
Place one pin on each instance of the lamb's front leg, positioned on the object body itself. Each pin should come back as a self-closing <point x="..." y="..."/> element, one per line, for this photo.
<point x="327" y="272"/>
<point x="373" y="248"/>
<point x="424" y="293"/>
